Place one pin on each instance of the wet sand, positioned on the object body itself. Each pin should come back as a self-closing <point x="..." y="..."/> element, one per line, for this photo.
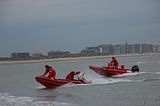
<point x="74" y="58"/>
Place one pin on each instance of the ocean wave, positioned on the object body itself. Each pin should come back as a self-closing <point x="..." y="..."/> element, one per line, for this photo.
<point x="40" y="87"/>
<point x="151" y="72"/>
<point x="109" y="81"/>
<point x="158" y="61"/>
<point x="10" y="100"/>
<point x="157" y="72"/>
<point x="141" y="62"/>
<point x="116" y="79"/>
<point x="68" y="85"/>
<point x="128" y="74"/>
<point x="98" y="81"/>
<point x="151" y="79"/>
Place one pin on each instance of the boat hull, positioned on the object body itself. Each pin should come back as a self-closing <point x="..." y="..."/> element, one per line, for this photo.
<point x="107" y="72"/>
<point x="50" y="83"/>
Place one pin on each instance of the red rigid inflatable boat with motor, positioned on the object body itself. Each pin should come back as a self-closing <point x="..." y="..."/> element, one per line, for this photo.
<point x="50" y="83"/>
<point x="107" y="72"/>
<point x="110" y="72"/>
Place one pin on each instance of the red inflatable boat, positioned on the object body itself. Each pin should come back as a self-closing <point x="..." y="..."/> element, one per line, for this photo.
<point x="110" y="72"/>
<point x="107" y="72"/>
<point x="50" y="83"/>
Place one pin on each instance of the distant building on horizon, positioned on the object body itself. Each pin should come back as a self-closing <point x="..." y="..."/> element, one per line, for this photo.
<point x="104" y="49"/>
<point x="37" y="55"/>
<point x="126" y="48"/>
<point x="107" y="49"/>
<point x="92" y="50"/>
<point x="24" y="55"/>
<point x="122" y="49"/>
<point x="156" y="48"/>
<point x="58" y="53"/>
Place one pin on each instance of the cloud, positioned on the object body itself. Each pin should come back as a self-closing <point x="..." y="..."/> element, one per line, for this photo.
<point x="79" y="22"/>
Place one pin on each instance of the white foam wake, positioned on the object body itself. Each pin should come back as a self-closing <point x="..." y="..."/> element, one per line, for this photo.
<point x="141" y="62"/>
<point x="69" y="85"/>
<point x="9" y="100"/>
<point x="109" y="80"/>
<point x="97" y="79"/>
<point x="129" y="74"/>
<point x="157" y="72"/>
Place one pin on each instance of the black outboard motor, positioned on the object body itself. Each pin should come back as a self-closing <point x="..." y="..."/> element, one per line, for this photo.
<point x="135" y="68"/>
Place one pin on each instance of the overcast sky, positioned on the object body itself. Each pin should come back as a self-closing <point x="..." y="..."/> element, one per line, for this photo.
<point x="44" y="25"/>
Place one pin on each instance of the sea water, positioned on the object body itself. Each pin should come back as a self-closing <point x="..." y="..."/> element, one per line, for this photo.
<point x="19" y="88"/>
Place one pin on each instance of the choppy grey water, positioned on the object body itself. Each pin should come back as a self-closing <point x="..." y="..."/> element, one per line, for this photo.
<point x="19" y="88"/>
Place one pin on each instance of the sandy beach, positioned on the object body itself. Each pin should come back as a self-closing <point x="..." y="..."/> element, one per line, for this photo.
<point x="74" y="58"/>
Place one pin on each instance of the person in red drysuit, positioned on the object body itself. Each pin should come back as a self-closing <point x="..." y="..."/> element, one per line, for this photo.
<point x="71" y="75"/>
<point x="109" y="66"/>
<point x="50" y="71"/>
<point x="114" y="62"/>
<point x="46" y="71"/>
<point x="122" y="67"/>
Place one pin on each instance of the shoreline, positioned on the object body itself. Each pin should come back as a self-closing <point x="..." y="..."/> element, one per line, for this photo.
<point x="74" y="58"/>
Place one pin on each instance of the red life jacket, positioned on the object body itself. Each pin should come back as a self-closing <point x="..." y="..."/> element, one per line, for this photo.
<point x="70" y="76"/>
<point x="110" y="66"/>
<point x="115" y="63"/>
<point x="52" y="73"/>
